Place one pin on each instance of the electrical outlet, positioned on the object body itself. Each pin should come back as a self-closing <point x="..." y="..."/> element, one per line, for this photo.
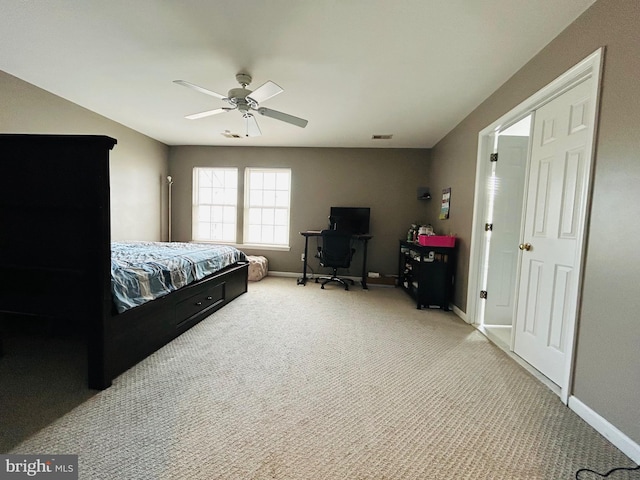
<point x="302" y="257"/>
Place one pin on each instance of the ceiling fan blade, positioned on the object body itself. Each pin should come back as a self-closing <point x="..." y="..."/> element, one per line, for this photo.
<point x="285" y="117"/>
<point x="253" y="130"/>
<point x="265" y="92"/>
<point x="208" y="113"/>
<point x="200" y="89"/>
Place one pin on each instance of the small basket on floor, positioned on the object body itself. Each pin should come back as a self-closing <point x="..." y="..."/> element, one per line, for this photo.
<point x="258" y="267"/>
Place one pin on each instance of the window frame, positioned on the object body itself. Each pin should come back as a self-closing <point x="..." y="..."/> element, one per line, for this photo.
<point x="198" y="203"/>
<point x="276" y="205"/>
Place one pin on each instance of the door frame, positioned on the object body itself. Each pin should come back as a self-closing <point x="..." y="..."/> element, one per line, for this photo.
<point x="591" y="66"/>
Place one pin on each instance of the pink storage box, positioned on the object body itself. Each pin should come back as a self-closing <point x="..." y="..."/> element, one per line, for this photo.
<point x="436" y="241"/>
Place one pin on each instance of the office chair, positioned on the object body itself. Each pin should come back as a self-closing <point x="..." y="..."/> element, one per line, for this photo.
<point x="336" y="252"/>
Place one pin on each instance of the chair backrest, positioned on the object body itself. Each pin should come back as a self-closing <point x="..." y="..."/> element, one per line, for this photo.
<point x="336" y="249"/>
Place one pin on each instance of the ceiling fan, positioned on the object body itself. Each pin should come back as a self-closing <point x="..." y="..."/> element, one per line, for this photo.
<point x="247" y="102"/>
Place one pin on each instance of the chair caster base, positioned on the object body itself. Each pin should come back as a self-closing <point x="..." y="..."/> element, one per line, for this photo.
<point x="341" y="281"/>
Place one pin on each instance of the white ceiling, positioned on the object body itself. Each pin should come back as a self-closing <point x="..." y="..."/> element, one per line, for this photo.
<point x="353" y="68"/>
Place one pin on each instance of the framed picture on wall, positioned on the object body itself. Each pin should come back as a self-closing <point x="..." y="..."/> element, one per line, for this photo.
<point x="446" y="202"/>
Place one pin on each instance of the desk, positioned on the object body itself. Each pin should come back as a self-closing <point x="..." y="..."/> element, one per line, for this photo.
<point x="316" y="233"/>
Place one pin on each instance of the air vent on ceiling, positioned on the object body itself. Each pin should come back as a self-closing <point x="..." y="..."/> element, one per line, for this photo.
<point x="382" y="137"/>
<point x="228" y="134"/>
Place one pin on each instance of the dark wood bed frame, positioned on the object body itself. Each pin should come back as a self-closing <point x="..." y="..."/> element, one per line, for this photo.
<point x="55" y="254"/>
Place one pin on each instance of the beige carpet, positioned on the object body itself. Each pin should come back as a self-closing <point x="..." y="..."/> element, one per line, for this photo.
<point x="292" y="382"/>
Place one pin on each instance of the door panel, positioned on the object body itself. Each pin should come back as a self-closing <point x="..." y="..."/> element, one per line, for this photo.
<point x="541" y="212"/>
<point x="562" y="282"/>
<point x="554" y="201"/>
<point x="506" y="215"/>
<point x="533" y="297"/>
<point x="571" y="191"/>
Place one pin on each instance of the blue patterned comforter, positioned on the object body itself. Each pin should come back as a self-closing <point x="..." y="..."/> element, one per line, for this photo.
<point x="143" y="271"/>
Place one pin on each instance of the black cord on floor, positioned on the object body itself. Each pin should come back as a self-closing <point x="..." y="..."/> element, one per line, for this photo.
<point x="606" y="474"/>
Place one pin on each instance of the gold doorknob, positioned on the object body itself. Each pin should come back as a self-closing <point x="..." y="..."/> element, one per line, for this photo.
<point x="525" y="246"/>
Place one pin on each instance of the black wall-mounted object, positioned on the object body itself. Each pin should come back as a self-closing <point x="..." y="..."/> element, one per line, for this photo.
<point x="423" y="193"/>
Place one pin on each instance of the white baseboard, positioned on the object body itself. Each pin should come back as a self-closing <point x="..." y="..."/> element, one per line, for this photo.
<point x="285" y="274"/>
<point x="310" y="276"/>
<point x="627" y="446"/>
<point x="459" y="313"/>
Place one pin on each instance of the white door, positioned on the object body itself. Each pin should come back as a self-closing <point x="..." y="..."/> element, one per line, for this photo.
<point x="555" y="203"/>
<point x="507" y="186"/>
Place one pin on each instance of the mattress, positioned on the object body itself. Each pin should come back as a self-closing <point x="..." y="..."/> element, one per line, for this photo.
<point x="144" y="271"/>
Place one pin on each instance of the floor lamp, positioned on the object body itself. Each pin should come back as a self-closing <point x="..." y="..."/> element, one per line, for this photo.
<point x="170" y="182"/>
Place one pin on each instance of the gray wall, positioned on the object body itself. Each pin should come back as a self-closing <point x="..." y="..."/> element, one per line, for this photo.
<point x="138" y="163"/>
<point x="607" y="376"/>
<point x="607" y="368"/>
<point x="385" y="180"/>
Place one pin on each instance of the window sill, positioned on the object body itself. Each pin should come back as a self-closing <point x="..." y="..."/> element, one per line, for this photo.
<point x="249" y="246"/>
<point x="275" y="248"/>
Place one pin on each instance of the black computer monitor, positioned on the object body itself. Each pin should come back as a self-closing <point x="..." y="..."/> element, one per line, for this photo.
<point x="350" y="219"/>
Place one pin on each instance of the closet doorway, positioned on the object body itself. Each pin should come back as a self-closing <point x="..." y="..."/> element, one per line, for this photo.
<point x="519" y="296"/>
<point x="503" y="213"/>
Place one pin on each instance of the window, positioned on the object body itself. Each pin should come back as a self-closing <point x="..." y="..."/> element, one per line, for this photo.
<point x="266" y="206"/>
<point x="215" y="204"/>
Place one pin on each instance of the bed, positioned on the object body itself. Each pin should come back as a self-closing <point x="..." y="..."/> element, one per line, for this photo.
<point x="57" y="257"/>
